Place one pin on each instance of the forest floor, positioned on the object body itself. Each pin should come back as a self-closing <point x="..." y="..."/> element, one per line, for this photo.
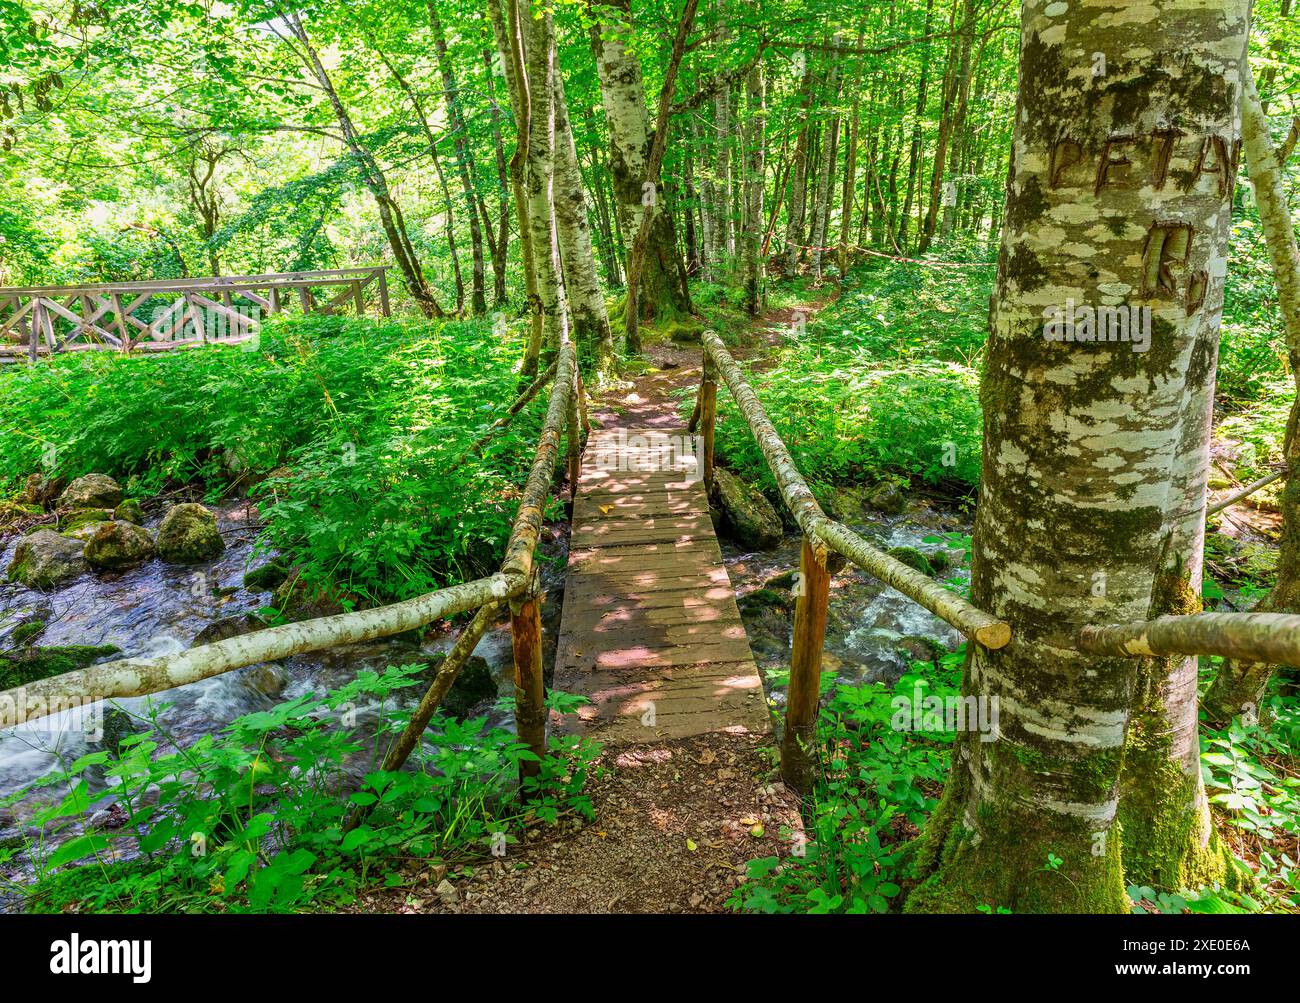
<point x="676" y="821"/>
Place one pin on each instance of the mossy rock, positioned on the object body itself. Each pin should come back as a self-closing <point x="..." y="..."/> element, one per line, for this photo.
<point x="44" y="559"/>
<point x="888" y="498"/>
<point x="785" y="580"/>
<point x="92" y="491"/>
<point x="130" y="511"/>
<point x="685" y="332"/>
<point x="473" y="686"/>
<point x="747" y="515"/>
<point x="1258" y="562"/>
<point x="268" y="577"/>
<point x="913" y="558"/>
<point x="118" y="545"/>
<point x="296" y="600"/>
<point x="228" y="627"/>
<point x="26" y="633"/>
<point x="31" y="664"/>
<point x="761" y="599"/>
<point x="78" y="518"/>
<point x="188" y="534"/>
<point x="42" y="490"/>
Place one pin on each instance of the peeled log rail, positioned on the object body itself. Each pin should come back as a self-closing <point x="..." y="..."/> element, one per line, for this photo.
<point x="1245" y="492"/>
<point x="528" y="520"/>
<point x="1255" y="637"/>
<point x="132" y="677"/>
<point x="981" y="627"/>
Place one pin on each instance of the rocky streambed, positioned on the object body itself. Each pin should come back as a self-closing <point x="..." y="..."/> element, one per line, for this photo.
<point x="65" y="604"/>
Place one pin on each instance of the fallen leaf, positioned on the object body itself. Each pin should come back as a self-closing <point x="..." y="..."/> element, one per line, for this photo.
<point x="691" y="845"/>
<point x="606" y="509"/>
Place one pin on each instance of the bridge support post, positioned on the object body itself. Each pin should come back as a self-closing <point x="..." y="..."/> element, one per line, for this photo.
<point x="812" y="604"/>
<point x="530" y="694"/>
<point x="708" y="413"/>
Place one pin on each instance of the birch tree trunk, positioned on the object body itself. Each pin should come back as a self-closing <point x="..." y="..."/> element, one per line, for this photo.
<point x="663" y="276"/>
<point x="799" y="180"/>
<point x="539" y="51"/>
<point x="464" y="157"/>
<point x="504" y="15"/>
<point x="581" y="286"/>
<point x="826" y="176"/>
<point x="1117" y="197"/>
<point x="1239" y="686"/>
<point x="500" y="247"/>
<point x="755" y="123"/>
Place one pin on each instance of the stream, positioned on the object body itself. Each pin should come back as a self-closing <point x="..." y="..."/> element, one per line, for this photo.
<point x="157" y="608"/>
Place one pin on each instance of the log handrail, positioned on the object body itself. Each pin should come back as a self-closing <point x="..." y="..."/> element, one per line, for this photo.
<point x="820" y="534"/>
<point x="981" y="627"/>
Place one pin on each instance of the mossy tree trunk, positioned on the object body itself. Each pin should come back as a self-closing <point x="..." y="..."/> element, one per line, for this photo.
<point x="582" y="290"/>
<point x="1093" y="451"/>
<point x="1240" y="687"/>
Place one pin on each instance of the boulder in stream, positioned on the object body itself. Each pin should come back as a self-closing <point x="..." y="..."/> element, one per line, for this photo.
<point x="913" y="558"/>
<point x="92" y="491"/>
<point x="747" y="515"/>
<point x="118" y="545"/>
<point x="44" y="559"/>
<point x="228" y="627"/>
<point x="888" y="498"/>
<point x="188" y="534"/>
<point x="78" y="518"/>
<point x="474" y="685"/>
<point x="42" y="489"/>
<point x="130" y="511"/>
<point x="268" y="577"/>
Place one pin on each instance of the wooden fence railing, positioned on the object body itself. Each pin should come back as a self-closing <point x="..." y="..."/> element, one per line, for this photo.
<point x="170" y="313"/>
<point x="516" y="584"/>
<point x="820" y="535"/>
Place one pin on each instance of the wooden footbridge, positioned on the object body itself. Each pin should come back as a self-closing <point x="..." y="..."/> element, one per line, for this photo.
<point x="165" y="314"/>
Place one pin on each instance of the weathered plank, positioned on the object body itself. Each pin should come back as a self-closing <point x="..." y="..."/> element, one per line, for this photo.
<point x="650" y="632"/>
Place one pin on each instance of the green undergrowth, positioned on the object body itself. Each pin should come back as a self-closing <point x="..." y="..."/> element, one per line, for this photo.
<point x="1260" y="427"/>
<point x="360" y="423"/>
<point x="252" y="819"/>
<point x="876" y="788"/>
<point x="880" y="779"/>
<point x="883" y="381"/>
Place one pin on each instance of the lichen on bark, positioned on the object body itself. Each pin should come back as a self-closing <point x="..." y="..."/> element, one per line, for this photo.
<point x="1094" y="449"/>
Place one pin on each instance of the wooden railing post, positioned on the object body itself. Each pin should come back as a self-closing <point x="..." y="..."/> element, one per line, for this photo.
<point x="804" y="694"/>
<point x="530" y="695"/>
<point x="383" y="293"/>
<point x="708" y="414"/>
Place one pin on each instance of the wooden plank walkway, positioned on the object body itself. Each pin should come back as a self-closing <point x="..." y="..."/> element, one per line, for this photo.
<point x="650" y="632"/>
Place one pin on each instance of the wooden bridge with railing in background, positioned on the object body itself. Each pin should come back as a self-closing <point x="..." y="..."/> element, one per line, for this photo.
<point x="161" y="315"/>
<point x="650" y="631"/>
